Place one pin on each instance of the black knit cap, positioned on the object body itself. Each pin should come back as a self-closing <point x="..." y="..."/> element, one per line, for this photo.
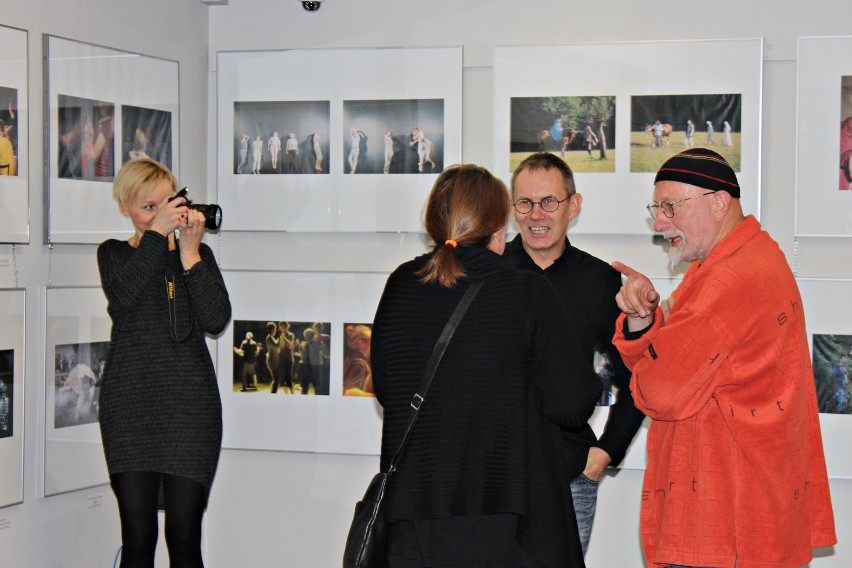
<point x="700" y="167"/>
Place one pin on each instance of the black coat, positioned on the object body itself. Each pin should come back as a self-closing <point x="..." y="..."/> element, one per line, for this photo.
<point x="487" y="439"/>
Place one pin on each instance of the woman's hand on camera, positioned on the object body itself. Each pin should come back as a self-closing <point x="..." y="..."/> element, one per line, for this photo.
<point x="191" y="232"/>
<point x="171" y="215"/>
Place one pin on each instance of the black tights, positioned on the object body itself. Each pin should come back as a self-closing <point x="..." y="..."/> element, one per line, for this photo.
<point x="137" y="493"/>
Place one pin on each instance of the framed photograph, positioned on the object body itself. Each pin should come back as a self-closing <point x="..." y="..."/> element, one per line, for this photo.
<point x="616" y="111"/>
<point x="293" y="365"/>
<point x="828" y="313"/>
<point x="12" y="357"/>
<point x="327" y="140"/>
<point x="76" y="344"/>
<point x="14" y="137"/>
<point x="102" y="108"/>
<point x="824" y="137"/>
<point x="832" y="359"/>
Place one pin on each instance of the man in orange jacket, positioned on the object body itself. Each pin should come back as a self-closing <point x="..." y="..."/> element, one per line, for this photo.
<point x="736" y="473"/>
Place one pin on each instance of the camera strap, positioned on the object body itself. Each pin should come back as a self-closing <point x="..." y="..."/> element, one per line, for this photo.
<point x="170" y="293"/>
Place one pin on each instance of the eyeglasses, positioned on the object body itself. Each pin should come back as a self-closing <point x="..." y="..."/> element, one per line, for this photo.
<point x="668" y="206"/>
<point x="549" y="204"/>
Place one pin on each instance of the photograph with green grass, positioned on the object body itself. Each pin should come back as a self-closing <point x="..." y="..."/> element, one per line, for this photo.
<point x="580" y="130"/>
<point x="664" y="125"/>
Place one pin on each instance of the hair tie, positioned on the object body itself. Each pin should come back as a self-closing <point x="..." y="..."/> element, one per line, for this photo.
<point x="451" y="242"/>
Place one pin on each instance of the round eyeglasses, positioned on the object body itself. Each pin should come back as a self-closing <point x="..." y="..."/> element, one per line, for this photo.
<point x="549" y="204"/>
<point x="667" y="207"/>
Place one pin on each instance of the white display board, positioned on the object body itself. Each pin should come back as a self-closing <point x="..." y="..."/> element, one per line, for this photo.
<point x="331" y="423"/>
<point x="329" y="93"/>
<point x="93" y="92"/>
<point x="823" y="208"/>
<point x="663" y="71"/>
<point x="12" y="358"/>
<point x="77" y="321"/>
<point x="14" y="111"/>
<point x="829" y="311"/>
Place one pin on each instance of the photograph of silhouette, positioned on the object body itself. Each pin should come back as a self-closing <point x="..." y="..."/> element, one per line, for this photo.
<point x="146" y="132"/>
<point x="77" y="373"/>
<point x="7" y="391"/>
<point x="281" y="137"/>
<point x="832" y="355"/>
<point x="357" y="370"/>
<point x="9" y="156"/>
<point x="280" y="356"/>
<point x="664" y="125"/>
<point x="404" y="136"/>
<point x="580" y="130"/>
<point x="86" y="139"/>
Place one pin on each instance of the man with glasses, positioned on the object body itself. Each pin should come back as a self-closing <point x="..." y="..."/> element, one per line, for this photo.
<point x="545" y="200"/>
<point x="736" y="473"/>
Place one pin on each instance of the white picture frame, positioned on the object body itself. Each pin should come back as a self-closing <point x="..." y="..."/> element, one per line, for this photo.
<point x="822" y="210"/>
<point x="292" y="422"/>
<point x="12" y="367"/>
<point x="613" y="203"/>
<point x="337" y="201"/>
<point x="14" y="108"/>
<point x="83" y="82"/>
<point x="828" y="311"/>
<point x="73" y="455"/>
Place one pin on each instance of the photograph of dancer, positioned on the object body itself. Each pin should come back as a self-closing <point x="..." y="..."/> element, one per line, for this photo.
<point x="272" y="356"/>
<point x="404" y="136"/>
<point x="292" y="137"/>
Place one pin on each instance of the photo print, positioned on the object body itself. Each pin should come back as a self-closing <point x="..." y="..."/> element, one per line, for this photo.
<point x="281" y="137"/>
<point x="581" y="130"/>
<point x="86" y="139"/>
<point x="280" y="356"/>
<point x="832" y="363"/>
<point x="845" y="180"/>
<point x="7" y="391"/>
<point x="403" y="136"/>
<point x="77" y="374"/>
<point x="604" y="371"/>
<point x="146" y="133"/>
<point x="664" y="125"/>
<point x="8" y="131"/>
<point x="357" y="370"/>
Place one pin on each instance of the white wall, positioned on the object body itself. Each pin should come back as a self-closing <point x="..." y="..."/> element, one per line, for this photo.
<point x="305" y="521"/>
<point x="291" y="509"/>
<point x="80" y="529"/>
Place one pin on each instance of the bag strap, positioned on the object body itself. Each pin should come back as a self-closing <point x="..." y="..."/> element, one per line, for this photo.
<point x="432" y="366"/>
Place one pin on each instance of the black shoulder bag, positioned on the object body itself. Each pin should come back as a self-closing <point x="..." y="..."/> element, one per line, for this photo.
<point x="366" y="544"/>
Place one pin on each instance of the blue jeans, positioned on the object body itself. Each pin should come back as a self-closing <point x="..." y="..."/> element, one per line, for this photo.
<point x="584" y="491"/>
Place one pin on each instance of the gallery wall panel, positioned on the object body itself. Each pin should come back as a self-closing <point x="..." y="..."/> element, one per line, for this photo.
<point x="12" y="366"/>
<point x="358" y="136"/>
<point x="14" y="137"/>
<point x="324" y="419"/>
<point x="77" y="335"/>
<point x="547" y="92"/>
<point x="102" y="108"/>
<point x="824" y="137"/>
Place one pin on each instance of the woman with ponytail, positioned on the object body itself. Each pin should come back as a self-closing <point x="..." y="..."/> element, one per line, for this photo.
<point x="483" y="480"/>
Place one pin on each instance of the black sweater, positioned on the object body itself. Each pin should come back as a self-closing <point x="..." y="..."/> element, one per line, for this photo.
<point x="587" y="286"/>
<point x="159" y="407"/>
<point x="487" y="439"/>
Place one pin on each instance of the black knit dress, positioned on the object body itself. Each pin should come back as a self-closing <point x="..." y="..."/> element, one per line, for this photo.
<point x="159" y="408"/>
<point x="486" y="446"/>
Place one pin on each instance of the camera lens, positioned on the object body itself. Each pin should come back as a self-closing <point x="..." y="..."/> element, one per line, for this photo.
<point x="212" y="215"/>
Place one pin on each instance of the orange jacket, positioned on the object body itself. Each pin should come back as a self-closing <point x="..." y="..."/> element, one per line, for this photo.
<point x="736" y="472"/>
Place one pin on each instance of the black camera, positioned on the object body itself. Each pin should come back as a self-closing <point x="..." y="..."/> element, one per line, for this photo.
<point x="212" y="212"/>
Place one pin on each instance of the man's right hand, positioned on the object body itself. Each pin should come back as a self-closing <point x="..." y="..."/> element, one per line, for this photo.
<point x="637" y="298"/>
